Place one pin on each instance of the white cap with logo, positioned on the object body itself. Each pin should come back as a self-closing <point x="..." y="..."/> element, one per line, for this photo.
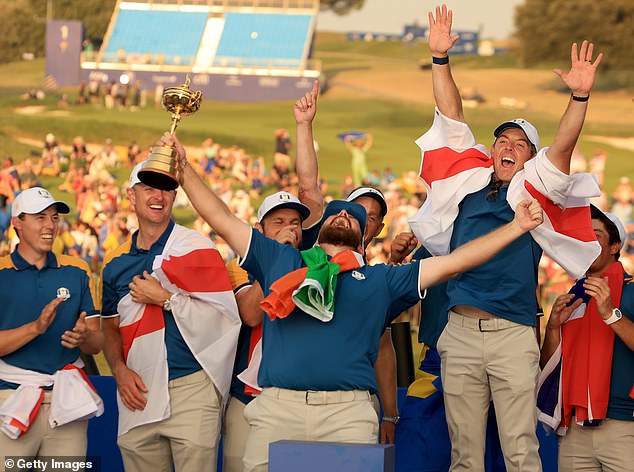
<point x="134" y="175"/>
<point x="282" y="200"/>
<point x="520" y="123"/>
<point x="369" y="192"/>
<point x="35" y="200"/>
<point x="619" y="226"/>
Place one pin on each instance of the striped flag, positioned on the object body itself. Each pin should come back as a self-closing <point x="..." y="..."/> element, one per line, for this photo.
<point x="205" y="312"/>
<point x="453" y="166"/>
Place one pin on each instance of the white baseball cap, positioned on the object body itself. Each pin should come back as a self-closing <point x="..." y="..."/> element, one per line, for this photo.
<point x="619" y="226"/>
<point x="520" y="123"/>
<point x="282" y="200"/>
<point x="36" y="200"/>
<point x="369" y="192"/>
<point x="134" y="175"/>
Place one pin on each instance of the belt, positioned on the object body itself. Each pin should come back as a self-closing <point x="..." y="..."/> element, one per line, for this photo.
<point x="480" y="324"/>
<point x="316" y="397"/>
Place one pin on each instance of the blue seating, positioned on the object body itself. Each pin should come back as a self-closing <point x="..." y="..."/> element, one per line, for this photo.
<point x="255" y="39"/>
<point x="174" y="35"/>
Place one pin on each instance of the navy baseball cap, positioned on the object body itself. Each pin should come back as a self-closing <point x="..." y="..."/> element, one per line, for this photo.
<point x="353" y="209"/>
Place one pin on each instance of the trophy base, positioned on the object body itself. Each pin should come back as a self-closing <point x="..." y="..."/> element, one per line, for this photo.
<point x="159" y="170"/>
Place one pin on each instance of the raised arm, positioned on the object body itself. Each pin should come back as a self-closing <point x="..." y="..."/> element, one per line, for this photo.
<point x="213" y="210"/>
<point x="579" y="79"/>
<point x="446" y="92"/>
<point x="307" y="168"/>
<point x="528" y="215"/>
<point x="369" y="140"/>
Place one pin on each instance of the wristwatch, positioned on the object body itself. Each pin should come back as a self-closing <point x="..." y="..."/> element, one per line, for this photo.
<point x="616" y="316"/>
<point x="392" y="419"/>
<point x="167" y="304"/>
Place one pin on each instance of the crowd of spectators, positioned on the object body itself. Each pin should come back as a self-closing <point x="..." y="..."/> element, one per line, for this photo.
<point x="102" y="218"/>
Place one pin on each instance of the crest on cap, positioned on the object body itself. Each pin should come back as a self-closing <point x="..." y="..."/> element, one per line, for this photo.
<point x="282" y="200"/>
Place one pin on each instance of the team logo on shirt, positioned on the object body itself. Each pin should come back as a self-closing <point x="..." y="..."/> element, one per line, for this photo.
<point x="358" y="275"/>
<point x="63" y="293"/>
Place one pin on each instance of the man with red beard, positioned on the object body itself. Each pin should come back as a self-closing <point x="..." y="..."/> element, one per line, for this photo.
<point x="326" y="313"/>
<point x="597" y="359"/>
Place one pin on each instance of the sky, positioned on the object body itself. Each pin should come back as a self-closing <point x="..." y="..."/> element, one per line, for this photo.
<point x="389" y="16"/>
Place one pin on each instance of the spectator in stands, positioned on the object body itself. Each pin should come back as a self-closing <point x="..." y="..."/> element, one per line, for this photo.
<point x="358" y="147"/>
<point x="134" y="151"/>
<point x="623" y="197"/>
<point x="282" y="141"/>
<point x="9" y="182"/>
<point x="388" y="177"/>
<point x="597" y="164"/>
<point x="347" y="186"/>
<point x="578" y="162"/>
<point x="109" y="155"/>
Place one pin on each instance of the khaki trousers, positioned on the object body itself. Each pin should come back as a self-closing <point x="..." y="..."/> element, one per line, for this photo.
<point x="483" y="360"/>
<point x="608" y="447"/>
<point x="41" y="440"/>
<point x="235" y="431"/>
<point x="188" y="438"/>
<point x="276" y="414"/>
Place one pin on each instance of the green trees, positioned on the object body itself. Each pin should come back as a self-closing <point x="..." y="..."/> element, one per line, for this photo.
<point x="545" y="29"/>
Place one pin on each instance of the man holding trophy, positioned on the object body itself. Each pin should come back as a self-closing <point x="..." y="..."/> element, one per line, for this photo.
<point x="170" y="322"/>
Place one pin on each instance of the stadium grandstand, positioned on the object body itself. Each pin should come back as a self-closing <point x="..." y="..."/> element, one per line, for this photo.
<point x="246" y="50"/>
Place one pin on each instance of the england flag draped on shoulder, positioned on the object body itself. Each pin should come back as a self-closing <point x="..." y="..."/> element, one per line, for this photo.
<point x="205" y="312"/>
<point x="453" y="166"/>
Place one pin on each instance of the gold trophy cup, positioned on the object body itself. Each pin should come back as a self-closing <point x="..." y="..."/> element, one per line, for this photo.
<point x="159" y="170"/>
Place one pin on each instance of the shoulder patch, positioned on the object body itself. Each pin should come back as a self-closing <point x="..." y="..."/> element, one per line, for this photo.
<point x="81" y="264"/>
<point x="6" y="262"/>
<point x="123" y="249"/>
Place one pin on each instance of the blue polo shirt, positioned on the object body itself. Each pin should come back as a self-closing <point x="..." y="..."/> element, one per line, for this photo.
<point x="240" y="279"/>
<point x="303" y="353"/>
<point x="434" y="308"/>
<point x="621" y="405"/>
<point x="505" y="286"/>
<point x="26" y="290"/>
<point x="119" y="268"/>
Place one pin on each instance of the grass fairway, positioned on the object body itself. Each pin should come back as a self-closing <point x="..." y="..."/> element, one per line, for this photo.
<point x="374" y="87"/>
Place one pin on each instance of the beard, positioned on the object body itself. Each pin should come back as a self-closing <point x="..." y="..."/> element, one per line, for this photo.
<point x="338" y="236"/>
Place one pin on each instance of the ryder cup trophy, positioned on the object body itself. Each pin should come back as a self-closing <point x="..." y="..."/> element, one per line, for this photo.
<point x="159" y="170"/>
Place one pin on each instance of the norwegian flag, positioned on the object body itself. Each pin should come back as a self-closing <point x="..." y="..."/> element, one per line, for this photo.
<point x="453" y="166"/>
<point x="205" y="312"/>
